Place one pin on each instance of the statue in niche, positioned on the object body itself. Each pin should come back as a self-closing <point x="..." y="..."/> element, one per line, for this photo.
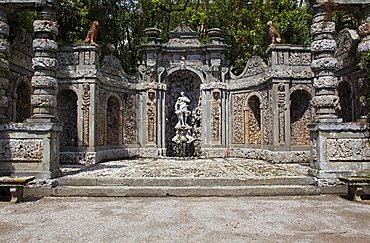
<point x="181" y="109"/>
<point x="273" y="33"/>
<point x="92" y="33"/>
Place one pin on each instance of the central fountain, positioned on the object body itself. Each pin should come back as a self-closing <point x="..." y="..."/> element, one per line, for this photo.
<point x="183" y="137"/>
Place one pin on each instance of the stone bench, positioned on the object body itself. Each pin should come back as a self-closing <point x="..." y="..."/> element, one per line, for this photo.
<point x="356" y="186"/>
<point x="16" y="185"/>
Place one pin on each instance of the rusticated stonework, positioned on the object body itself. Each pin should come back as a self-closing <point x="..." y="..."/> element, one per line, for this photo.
<point x="252" y="120"/>
<point x="22" y="150"/>
<point x="216" y="116"/>
<point x="129" y="118"/>
<point x="238" y="121"/>
<point x="101" y="124"/>
<point x="299" y="59"/>
<point x="300" y="116"/>
<point x="348" y="149"/>
<point x="67" y="114"/>
<point x="151" y="116"/>
<point x="85" y="112"/>
<point x="113" y="121"/>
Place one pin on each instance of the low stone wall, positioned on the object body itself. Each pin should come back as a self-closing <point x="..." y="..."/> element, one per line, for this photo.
<point x="275" y="157"/>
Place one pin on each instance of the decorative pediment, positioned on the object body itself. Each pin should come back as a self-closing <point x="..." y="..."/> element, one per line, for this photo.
<point x="183" y="35"/>
<point x="254" y="66"/>
<point x="112" y="67"/>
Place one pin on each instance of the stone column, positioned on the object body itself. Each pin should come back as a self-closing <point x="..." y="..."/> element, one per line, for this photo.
<point x="323" y="65"/>
<point x="4" y="64"/>
<point x="44" y="81"/>
<point x="364" y="31"/>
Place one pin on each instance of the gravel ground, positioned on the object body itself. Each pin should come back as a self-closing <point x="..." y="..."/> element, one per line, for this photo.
<point x="247" y="219"/>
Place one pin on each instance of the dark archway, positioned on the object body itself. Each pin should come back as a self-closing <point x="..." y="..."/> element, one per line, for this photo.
<point x="300" y="116"/>
<point x="67" y="114"/>
<point x="113" y="121"/>
<point x="345" y="100"/>
<point x="252" y="121"/>
<point x="189" y="83"/>
<point x="23" y="102"/>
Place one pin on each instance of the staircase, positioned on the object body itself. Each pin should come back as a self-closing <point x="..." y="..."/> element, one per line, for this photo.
<point x="184" y="187"/>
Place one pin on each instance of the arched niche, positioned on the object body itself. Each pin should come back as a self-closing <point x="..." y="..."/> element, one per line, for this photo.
<point x="345" y="101"/>
<point x="67" y="114"/>
<point x="188" y="82"/>
<point x="300" y="116"/>
<point x="253" y="120"/>
<point x="22" y="100"/>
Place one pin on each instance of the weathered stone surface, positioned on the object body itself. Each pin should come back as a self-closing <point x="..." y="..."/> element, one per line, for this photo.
<point x="45" y="45"/>
<point x="347" y="149"/>
<point x="323" y="45"/>
<point x="4" y="28"/>
<point x="44" y="82"/>
<point x="43" y="100"/>
<point x="325" y="82"/>
<point x="21" y="150"/>
<point x="325" y="101"/>
<point x="364" y="46"/>
<point x="45" y="26"/>
<point x="324" y="64"/>
<point x="322" y="27"/>
<point x="44" y="63"/>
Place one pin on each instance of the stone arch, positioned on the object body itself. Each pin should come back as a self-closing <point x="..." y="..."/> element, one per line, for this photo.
<point x="300" y="116"/>
<point x="67" y="114"/>
<point x="197" y="72"/>
<point x="22" y="99"/>
<point x="188" y="81"/>
<point x="253" y="119"/>
<point x="344" y="92"/>
<point x="114" y="120"/>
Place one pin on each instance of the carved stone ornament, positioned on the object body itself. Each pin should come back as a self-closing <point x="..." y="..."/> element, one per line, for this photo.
<point x="151" y="116"/>
<point x="112" y="65"/>
<point x="238" y="121"/>
<point x="45" y="26"/>
<point x="346" y="42"/>
<point x="325" y="101"/>
<point x="348" y="149"/>
<point x="322" y="27"/>
<point x="325" y="82"/>
<point x="299" y="59"/>
<point x="323" y="45"/>
<point x="86" y="108"/>
<point x="22" y="150"/>
<point x="254" y="66"/>
<point x="216" y="116"/>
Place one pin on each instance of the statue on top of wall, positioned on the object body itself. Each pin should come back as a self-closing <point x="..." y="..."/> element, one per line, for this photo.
<point x="273" y="33"/>
<point x="181" y="109"/>
<point x="92" y="33"/>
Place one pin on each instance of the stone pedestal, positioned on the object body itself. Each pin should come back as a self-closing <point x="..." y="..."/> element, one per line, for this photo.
<point x="30" y="149"/>
<point x="338" y="150"/>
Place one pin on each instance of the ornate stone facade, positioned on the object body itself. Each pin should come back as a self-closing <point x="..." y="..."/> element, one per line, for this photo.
<point x="261" y="113"/>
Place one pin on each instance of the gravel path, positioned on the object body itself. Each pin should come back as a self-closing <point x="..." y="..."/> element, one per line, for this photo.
<point x="248" y="219"/>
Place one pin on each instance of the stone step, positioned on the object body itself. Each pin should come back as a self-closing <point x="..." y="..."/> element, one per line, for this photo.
<point x="184" y="182"/>
<point x="195" y="191"/>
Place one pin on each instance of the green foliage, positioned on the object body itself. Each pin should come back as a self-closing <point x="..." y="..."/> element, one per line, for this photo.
<point x="122" y="23"/>
<point x="22" y="19"/>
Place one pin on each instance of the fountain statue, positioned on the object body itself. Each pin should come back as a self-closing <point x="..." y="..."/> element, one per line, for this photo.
<point x="183" y="130"/>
